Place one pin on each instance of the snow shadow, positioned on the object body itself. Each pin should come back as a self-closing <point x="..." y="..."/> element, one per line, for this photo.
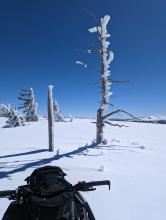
<point x="122" y="148"/>
<point x="25" y="153"/>
<point x="23" y="165"/>
<point x="41" y="162"/>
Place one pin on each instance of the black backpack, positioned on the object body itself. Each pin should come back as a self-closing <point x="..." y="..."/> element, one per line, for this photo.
<point x="52" y="197"/>
<point x="47" y="181"/>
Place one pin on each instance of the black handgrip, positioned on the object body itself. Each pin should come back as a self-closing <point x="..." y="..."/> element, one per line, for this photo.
<point x="7" y="193"/>
<point x="86" y="186"/>
<point x="99" y="183"/>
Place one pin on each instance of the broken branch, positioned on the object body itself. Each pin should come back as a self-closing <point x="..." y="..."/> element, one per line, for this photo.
<point x="117" y="125"/>
<point x="119" y="110"/>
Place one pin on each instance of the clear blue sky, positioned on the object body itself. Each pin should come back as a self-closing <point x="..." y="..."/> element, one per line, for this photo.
<point x="38" y="46"/>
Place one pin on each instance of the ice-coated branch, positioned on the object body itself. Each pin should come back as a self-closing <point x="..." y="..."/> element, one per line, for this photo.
<point x="86" y="66"/>
<point x="81" y="63"/>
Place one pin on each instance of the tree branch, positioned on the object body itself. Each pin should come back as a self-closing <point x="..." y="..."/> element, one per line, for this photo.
<point x="89" y="50"/>
<point x="119" y="81"/>
<point x="117" y="125"/>
<point x="119" y="110"/>
<point x="86" y="66"/>
<point x="91" y="14"/>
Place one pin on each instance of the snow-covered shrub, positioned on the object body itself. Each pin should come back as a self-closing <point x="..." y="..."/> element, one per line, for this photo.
<point x="14" y="118"/>
<point x="4" y="110"/>
<point x="29" y="106"/>
<point x="58" y="117"/>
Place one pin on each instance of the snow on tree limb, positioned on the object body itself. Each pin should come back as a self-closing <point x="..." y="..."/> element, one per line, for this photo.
<point x="81" y="63"/>
<point x="110" y="57"/>
<point x="92" y="30"/>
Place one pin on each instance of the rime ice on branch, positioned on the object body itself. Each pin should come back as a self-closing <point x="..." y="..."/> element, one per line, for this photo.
<point x="29" y="106"/>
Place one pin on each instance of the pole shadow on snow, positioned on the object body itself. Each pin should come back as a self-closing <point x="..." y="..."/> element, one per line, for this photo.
<point x="25" y="153"/>
<point x="41" y="162"/>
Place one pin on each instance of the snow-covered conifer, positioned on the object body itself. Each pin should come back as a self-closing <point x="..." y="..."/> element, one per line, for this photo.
<point x="4" y="110"/>
<point x="58" y="117"/>
<point x="14" y="118"/>
<point x="29" y="106"/>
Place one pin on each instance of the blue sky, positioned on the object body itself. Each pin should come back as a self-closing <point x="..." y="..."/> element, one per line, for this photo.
<point x="39" y="42"/>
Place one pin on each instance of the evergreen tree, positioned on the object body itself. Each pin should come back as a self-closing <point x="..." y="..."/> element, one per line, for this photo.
<point x="4" y="110"/>
<point x="58" y="117"/>
<point x="28" y="104"/>
<point x="14" y="118"/>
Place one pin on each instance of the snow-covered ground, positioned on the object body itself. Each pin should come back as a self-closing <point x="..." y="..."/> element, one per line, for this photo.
<point x="134" y="160"/>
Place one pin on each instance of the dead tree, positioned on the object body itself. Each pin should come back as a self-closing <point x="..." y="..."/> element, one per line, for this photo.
<point x="50" y="119"/>
<point x="106" y="56"/>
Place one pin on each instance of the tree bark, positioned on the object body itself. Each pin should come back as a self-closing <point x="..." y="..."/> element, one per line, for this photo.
<point x="50" y="119"/>
<point x="99" y="126"/>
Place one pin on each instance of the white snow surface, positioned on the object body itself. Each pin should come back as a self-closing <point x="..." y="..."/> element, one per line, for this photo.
<point x="134" y="159"/>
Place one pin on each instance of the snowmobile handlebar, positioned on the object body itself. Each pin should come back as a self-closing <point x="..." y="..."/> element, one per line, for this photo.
<point x="80" y="186"/>
<point x="7" y="193"/>
<point x="14" y="194"/>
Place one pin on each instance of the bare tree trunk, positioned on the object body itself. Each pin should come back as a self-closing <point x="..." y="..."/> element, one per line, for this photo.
<point x="99" y="126"/>
<point x="104" y="55"/>
<point x="50" y="119"/>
